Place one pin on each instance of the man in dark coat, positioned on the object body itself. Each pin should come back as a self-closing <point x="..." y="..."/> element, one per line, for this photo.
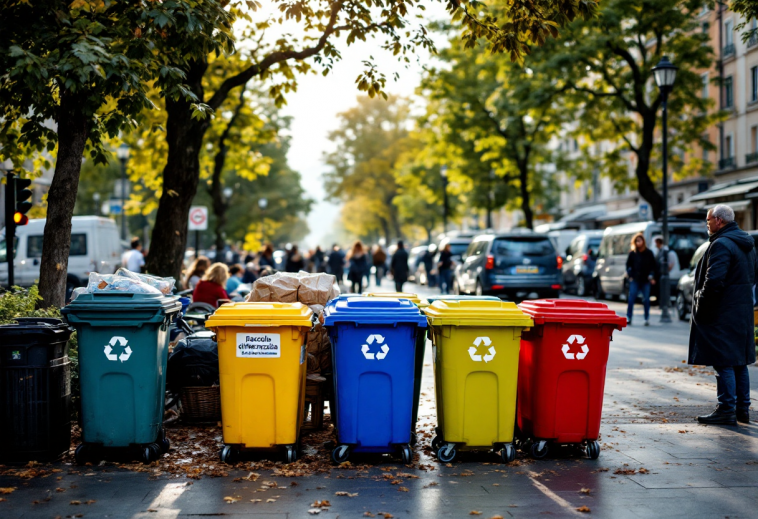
<point x="399" y="266"/>
<point x="722" y="329"/>
<point x="336" y="263"/>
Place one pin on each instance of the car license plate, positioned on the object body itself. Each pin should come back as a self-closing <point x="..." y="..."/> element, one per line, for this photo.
<point x="527" y="270"/>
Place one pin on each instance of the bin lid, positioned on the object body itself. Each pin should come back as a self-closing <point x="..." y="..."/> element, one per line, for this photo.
<point x="261" y="314"/>
<point x="477" y="312"/>
<point x="122" y="302"/>
<point x="413" y="298"/>
<point x="33" y="329"/>
<point x="372" y="310"/>
<point x="575" y="311"/>
<point x="453" y="297"/>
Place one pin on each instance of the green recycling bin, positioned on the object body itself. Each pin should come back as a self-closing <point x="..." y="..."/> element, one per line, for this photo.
<point x="123" y="349"/>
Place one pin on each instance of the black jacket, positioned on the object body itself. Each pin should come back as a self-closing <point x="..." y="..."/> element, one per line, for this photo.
<point x="358" y="267"/>
<point x="399" y="265"/>
<point x="722" y="327"/>
<point x="641" y="266"/>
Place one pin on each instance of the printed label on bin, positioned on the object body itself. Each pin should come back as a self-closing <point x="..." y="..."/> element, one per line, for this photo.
<point x="250" y="345"/>
<point x="488" y="353"/>
<point x="16" y="355"/>
<point x="117" y="349"/>
<point x="579" y="341"/>
<point x="383" y="348"/>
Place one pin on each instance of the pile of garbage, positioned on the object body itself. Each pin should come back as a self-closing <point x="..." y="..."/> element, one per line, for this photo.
<point x="126" y="281"/>
<point x="313" y="290"/>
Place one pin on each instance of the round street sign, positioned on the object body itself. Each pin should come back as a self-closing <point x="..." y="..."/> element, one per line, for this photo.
<point x="198" y="218"/>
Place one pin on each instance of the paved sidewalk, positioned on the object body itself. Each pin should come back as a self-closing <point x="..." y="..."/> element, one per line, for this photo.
<point x="655" y="462"/>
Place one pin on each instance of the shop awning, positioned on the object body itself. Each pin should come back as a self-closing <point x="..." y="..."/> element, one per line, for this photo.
<point x="686" y="207"/>
<point x="621" y="214"/>
<point x="724" y="191"/>
<point x="585" y="214"/>
<point x="742" y="205"/>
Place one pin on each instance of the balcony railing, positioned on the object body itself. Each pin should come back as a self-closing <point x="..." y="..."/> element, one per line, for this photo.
<point x="752" y="41"/>
<point x="751" y="157"/>
<point x="727" y="162"/>
<point x="729" y="50"/>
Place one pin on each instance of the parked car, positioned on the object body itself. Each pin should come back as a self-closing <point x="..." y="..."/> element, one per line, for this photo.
<point x="95" y="247"/>
<point x="609" y="277"/>
<point x="515" y="265"/>
<point x="579" y="263"/>
<point x="414" y="261"/>
<point x="686" y="285"/>
<point x="563" y="238"/>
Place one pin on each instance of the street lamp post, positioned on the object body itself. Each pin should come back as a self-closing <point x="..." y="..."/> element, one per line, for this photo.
<point x="262" y="203"/>
<point x="123" y="155"/>
<point x="665" y="75"/>
<point x="96" y="199"/>
<point x="443" y="173"/>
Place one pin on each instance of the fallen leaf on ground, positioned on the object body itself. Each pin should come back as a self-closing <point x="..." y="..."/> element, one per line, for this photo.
<point x="321" y="504"/>
<point x="152" y="510"/>
<point x="402" y="489"/>
<point x="230" y="499"/>
<point x="584" y="509"/>
<point x="7" y="490"/>
<point x="60" y="489"/>
<point x="432" y="484"/>
<point x="368" y="514"/>
<point x="345" y="494"/>
<point x="625" y="472"/>
<point x="2" y="499"/>
<point x="496" y="517"/>
<point x="474" y="512"/>
<point x="585" y="491"/>
<point x="314" y="511"/>
<point x="75" y="503"/>
<point x="271" y="500"/>
<point x="643" y="470"/>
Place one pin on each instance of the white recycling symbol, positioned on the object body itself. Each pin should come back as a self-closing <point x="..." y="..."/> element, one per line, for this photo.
<point x="379" y="340"/>
<point x="579" y="340"/>
<point x="121" y="341"/>
<point x="478" y="342"/>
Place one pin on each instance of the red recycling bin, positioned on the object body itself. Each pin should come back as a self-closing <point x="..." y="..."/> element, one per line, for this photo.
<point x="561" y="380"/>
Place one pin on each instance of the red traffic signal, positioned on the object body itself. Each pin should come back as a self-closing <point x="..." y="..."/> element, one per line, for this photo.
<point x="20" y="218"/>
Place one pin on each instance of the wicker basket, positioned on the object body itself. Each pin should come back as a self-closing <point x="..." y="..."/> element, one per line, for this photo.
<point x="201" y="403"/>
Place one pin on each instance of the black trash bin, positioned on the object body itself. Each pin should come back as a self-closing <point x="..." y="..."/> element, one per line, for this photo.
<point x="35" y="390"/>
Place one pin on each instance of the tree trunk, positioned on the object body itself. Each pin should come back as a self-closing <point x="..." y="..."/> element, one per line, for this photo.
<point x="73" y="130"/>
<point x="645" y="185"/>
<point x="386" y="230"/>
<point x="184" y="136"/>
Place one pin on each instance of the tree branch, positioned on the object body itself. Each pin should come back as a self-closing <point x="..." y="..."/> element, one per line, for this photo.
<point x="277" y="57"/>
<point x="623" y="135"/>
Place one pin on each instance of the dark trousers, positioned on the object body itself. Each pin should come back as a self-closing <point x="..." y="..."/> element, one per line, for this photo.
<point x="446" y="280"/>
<point x="399" y="286"/>
<point x="733" y="388"/>
<point x="634" y="289"/>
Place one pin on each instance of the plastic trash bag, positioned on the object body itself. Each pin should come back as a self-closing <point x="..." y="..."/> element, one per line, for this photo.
<point x="164" y="285"/>
<point x="112" y="283"/>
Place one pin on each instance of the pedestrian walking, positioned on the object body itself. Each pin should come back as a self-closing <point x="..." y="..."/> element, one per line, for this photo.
<point x="211" y="289"/>
<point x="336" y="264"/>
<point x="642" y="271"/>
<point x="428" y="260"/>
<point x="379" y="259"/>
<point x="319" y="260"/>
<point x="445" y="268"/>
<point x="722" y="324"/>
<point x="358" y="265"/>
<point x="196" y="272"/>
<point x="295" y="261"/>
<point x="266" y="258"/>
<point x="133" y="259"/>
<point x="672" y="260"/>
<point x="399" y="266"/>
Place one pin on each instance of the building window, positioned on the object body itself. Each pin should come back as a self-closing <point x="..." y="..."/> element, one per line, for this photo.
<point x="729" y="146"/>
<point x="705" y="150"/>
<point x="753" y="156"/>
<point x="704" y="78"/>
<point x="728" y="92"/>
<point x="754" y="84"/>
<point x="706" y="26"/>
<point x="728" y="38"/>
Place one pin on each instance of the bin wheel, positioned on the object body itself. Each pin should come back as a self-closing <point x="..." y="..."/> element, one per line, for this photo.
<point x="290" y="453"/>
<point x="82" y="453"/>
<point x="446" y="453"/>
<point x="229" y="455"/>
<point x="145" y="454"/>
<point x="539" y="450"/>
<point x="436" y="443"/>
<point x="593" y="450"/>
<point x="163" y="441"/>
<point x="340" y="454"/>
<point x="406" y="454"/>
<point x="508" y="454"/>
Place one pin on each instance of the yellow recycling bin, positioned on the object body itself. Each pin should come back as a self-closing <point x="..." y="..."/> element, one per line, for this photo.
<point x="476" y="356"/>
<point x="261" y="358"/>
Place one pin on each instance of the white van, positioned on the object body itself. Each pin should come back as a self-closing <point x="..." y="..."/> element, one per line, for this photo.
<point x="95" y="247"/>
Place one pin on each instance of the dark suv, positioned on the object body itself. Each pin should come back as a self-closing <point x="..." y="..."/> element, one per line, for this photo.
<point x="513" y="264"/>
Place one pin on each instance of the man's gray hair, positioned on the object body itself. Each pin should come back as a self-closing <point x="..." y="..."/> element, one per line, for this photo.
<point x="724" y="212"/>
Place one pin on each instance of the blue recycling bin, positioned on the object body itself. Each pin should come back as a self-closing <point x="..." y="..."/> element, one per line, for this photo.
<point x="374" y="354"/>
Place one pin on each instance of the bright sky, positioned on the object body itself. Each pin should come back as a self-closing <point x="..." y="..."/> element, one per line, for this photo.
<point x="314" y="108"/>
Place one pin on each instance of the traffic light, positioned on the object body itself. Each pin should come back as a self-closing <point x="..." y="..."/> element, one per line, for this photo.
<point x="23" y="202"/>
